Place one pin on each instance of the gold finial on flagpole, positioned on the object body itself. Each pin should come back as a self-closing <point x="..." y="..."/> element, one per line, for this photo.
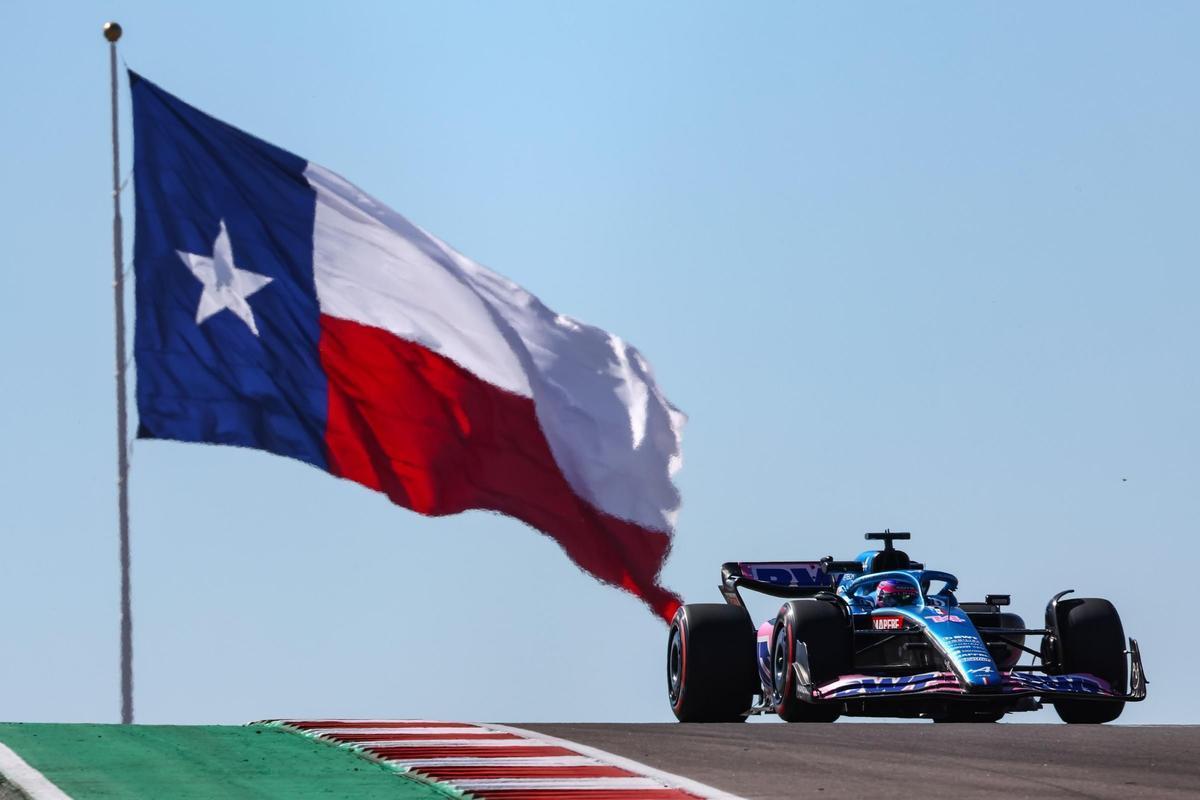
<point x="112" y="31"/>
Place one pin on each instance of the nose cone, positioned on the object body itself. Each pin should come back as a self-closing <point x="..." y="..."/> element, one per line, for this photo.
<point x="962" y="644"/>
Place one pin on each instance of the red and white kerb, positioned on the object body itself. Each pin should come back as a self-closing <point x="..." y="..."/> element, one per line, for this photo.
<point x="497" y="762"/>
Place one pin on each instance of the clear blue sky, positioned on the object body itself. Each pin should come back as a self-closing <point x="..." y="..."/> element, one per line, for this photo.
<point x="924" y="266"/>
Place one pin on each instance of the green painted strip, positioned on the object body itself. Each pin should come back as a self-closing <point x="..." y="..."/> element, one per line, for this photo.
<point x="153" y="762"/>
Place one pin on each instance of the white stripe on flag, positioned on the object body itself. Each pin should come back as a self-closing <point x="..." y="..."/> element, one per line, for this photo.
<point x="374" y="267"/>
<point x="612" y="432"/>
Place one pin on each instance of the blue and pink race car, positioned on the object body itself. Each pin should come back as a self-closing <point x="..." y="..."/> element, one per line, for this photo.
<point x="881" y="636"/>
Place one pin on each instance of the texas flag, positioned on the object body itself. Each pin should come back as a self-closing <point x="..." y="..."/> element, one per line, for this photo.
<point x="282" y="308"/>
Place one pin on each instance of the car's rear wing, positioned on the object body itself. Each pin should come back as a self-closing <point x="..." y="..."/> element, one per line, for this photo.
<point x="783" y="578"/>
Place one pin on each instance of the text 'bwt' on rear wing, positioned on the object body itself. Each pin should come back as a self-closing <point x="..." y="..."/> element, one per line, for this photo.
<point x="783" y="578"/>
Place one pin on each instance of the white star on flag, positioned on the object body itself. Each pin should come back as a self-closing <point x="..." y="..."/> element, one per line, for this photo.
<point x="225" y="285"/>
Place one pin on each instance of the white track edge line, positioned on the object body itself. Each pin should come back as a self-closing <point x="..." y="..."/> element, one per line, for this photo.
<point x="670" y="778"/>
<point x="34" y="784"/>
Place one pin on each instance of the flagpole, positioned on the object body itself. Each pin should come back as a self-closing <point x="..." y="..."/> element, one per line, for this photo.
<point x="112" y="32"/>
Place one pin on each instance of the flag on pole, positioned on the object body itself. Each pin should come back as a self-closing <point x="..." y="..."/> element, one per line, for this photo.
<point x="282" y="308"/>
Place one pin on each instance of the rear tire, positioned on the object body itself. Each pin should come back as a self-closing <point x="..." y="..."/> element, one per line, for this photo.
<point x="711" y="674"/>
<point x="1091" y="640"/>
<point x="824" y="628"/>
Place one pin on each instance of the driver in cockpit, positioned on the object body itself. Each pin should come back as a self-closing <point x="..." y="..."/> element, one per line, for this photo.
<point x="889" y="594"/>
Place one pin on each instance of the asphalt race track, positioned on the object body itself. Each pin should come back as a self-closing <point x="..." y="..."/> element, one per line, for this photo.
<point x="1006" y="760"/>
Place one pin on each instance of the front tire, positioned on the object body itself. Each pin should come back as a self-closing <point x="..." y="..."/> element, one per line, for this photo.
<point x="1092" y="641"/>
<point x="711" y="674"/>
<point x="824" y="629"/>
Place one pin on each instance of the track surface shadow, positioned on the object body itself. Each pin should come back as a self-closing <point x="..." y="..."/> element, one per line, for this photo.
<point x="761" y="761"/>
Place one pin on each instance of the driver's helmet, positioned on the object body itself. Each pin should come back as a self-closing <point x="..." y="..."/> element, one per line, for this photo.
<point x="895" y="593"/>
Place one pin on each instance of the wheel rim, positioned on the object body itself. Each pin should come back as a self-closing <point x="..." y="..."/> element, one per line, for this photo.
<point x="780" y="664"/>
<point x="675" y="665"/>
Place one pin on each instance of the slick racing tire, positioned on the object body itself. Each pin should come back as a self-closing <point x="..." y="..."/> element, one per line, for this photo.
<point x="711" y="674"/>
<point x="1091" y="640"/>
<point x="824" y="629"/>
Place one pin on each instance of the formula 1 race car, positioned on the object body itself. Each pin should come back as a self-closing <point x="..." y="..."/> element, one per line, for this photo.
<point x="881" y="636"/>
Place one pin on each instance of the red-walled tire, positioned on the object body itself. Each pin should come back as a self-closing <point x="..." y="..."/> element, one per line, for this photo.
<point x="711" y="674"/>
<point x="824" y="628"/>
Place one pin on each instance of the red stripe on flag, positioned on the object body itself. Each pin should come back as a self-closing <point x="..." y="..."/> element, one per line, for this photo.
<point x="436" y="439"/>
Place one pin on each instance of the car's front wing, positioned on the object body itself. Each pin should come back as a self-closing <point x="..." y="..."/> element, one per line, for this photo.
<point x="1013" y="683"/>
<point x="947" y="683"/>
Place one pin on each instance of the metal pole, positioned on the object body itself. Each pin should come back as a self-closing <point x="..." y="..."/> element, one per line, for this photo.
<point x="112" y="32"/>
